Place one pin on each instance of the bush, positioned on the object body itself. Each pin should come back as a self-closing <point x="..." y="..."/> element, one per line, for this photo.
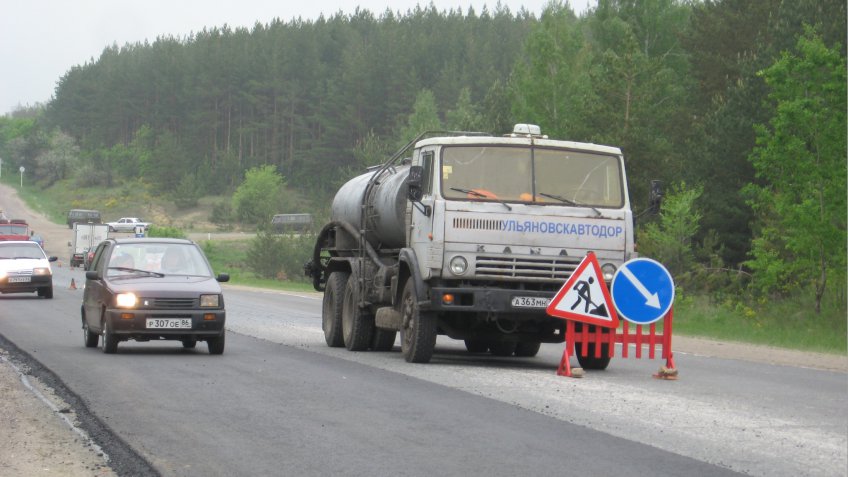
<point x="279" y="256"/>
<point x="171" y="232"/>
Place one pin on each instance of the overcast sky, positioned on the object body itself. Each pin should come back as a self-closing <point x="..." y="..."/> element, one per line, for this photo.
<point x="40" y="40"/>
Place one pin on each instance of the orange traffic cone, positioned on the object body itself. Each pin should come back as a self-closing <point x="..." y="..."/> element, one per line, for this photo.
<point x="73" y="285"/>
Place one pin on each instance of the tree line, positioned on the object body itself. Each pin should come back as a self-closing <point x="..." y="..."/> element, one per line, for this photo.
<point x="739" y="106"/>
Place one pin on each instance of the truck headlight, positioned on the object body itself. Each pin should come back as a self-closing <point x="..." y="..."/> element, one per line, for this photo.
<point x="126" y="300"/>
<point x="209" y="301"/>
<point x="458" y="265"/>
<point x="609" y="271"/>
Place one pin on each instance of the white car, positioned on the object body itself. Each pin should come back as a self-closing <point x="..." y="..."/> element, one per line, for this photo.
<point x="25" y="268"/>
<point x="127" y="224"/>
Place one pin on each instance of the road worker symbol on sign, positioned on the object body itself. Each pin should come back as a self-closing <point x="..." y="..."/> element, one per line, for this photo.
<point x="585" y="297"/>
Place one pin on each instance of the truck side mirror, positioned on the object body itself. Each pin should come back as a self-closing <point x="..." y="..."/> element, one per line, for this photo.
<point x="656" y="197"/>
<point x="413" y="183"/>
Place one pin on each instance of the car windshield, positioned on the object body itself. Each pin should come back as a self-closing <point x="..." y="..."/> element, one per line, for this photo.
<point x="157" y="258"/>
<point x="536" y="175"/>
<point x="11" y="251"/>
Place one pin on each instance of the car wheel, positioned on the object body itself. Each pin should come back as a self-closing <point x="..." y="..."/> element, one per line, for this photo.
<point x="502" y="348"/>
<point x="89" y="337"/>
<point x="476" y="346"/>
<point x="216" y="345"/>
<point x="189" y="343"/>
<point x="331" y="309"/>
<point x="111" y="229"/>
<point x="357" y="324"/>
<point x="528" y="349"/>
<point x="109" y="340"/>
<point x="418" y="329"/>
<point x="46" y="292"/>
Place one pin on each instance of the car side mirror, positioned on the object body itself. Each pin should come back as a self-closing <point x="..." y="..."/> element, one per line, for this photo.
<point x="413" y="183"/>
<point x="92" y="275"/>
<point x="223" y="277"/>
<point x="52" y="259"/>
<point x="656" y="197"/>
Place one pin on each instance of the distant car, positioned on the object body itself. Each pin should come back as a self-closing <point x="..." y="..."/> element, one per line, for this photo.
<point x="127" y="224"/>
<point x="152" y="289"/>
<point x="25" y="268"/>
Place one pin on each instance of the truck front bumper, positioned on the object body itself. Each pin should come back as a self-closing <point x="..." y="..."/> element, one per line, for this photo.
<point x="527" y="303"/>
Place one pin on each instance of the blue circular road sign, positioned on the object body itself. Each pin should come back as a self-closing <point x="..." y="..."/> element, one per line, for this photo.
<point x="642" y="291"/>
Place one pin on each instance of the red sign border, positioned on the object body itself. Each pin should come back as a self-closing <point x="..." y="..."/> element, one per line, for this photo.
<point x="570" y="315"/>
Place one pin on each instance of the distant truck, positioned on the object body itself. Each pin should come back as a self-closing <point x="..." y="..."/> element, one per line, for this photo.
<point x="128" y="224"/>
<point x="469" y="235"/>
<point x="15" y="229"/>
<point x="86" y="237"/>
<point x="291" y="222"/>
<point x="83" y="216"/>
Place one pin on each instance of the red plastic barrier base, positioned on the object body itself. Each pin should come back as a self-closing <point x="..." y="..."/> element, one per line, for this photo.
<point x="612" y="336"/>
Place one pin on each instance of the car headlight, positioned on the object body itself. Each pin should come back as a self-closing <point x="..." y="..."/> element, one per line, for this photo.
<point x="609" y="271"/>
<point x="458" y="265"/>
<point x="126" y="300"/>
<point x="2" y="274"/>
<point x="41" y="271"/>
<point x="209" y="301"/>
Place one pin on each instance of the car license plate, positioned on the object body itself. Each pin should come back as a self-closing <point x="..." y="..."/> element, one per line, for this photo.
<point x="169" y="323"/>
<point x="530" y="302"/>
<point x="19" y="279"/>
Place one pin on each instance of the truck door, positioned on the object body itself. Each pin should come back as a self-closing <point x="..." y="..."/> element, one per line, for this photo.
<point x="421" y="239"/>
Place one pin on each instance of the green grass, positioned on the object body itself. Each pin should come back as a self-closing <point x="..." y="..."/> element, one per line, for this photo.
<point x="786" y="323"/>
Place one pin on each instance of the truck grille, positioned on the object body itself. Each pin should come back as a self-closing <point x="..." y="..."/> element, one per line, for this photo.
<point x="470" y="223"/>
<point x="538" y="269"/>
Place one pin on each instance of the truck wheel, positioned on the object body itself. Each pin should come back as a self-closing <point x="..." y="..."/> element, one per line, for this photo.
<point x="331" y="309"/>
<point x="590" y="361"/>
<point x="528" y="349"/>
<point x="418" y="329"/>
<point x="476" y="346"/>
<point x="502" y="348"/>
<point x="357" y="324"/>
<point x="383" y="340"/>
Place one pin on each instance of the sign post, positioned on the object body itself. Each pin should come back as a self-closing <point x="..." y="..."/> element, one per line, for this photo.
<point x="22" y="176"/>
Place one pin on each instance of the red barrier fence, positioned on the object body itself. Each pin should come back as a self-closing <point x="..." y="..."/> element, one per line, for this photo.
<point x="580" y="340"/>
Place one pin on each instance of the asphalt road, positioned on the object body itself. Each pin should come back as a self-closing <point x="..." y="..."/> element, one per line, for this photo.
<point x="279" y="402"/>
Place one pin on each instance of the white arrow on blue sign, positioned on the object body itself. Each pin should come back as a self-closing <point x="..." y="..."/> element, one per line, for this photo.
<point x="642" y="291"/>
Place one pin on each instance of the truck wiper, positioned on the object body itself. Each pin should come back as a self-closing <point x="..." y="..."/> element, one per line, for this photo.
<point x="569" y="201"/>
<point x="481" y="195"/>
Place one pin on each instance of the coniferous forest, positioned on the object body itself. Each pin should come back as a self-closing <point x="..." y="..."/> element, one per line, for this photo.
<point x="738" y="106"/>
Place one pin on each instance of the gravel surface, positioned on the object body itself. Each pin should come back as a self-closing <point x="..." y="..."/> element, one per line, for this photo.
<point x="46" y="429"/>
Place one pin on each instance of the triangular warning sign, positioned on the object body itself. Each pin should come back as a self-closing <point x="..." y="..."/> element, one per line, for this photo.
<point x="585" y="297"/>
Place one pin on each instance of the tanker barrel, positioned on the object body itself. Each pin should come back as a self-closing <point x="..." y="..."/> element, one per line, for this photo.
<point x="385" y="206"/>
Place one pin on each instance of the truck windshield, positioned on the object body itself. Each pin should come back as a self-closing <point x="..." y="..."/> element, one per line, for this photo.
<point x="533" y="175"/>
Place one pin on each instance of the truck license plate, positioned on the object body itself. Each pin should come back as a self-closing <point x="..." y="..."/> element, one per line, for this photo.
<point x="19" y="279"/>
<point x="169" y="323"/>
<point x="530" y="302"/>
